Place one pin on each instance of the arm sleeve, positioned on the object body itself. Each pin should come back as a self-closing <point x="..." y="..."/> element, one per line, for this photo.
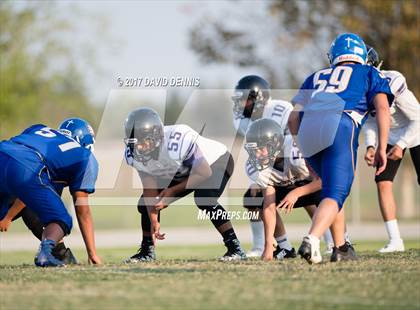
<point x="409" y="106"/>
<point x="370" y="132"/>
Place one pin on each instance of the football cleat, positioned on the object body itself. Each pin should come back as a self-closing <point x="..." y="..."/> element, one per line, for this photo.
<point x="146" y="253"/>
<point x="67" y="257"/>
<point x="280" y="253"/>
<point x="310" y="251"/>
<point x="255" y="252"/>
<point x="329" y="249"/>
<point x="340" y="255"/>
<point x="393" y="246"/>
<point x="234" y="252"/>
<point x="44" y="257"/>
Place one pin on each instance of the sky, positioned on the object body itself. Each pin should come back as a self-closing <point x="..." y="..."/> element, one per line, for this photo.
<point x="149" y="39"/>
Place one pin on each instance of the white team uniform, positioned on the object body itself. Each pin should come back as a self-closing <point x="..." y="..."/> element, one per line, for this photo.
<point x="405" y="116"/>
<point x="293" y="170"/>
<point x="277" y="110"/>
<point x="180" y="144"/>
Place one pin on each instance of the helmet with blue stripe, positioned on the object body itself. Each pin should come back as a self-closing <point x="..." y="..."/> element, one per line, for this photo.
<point x="79" y="130"/>
<point x="348" y="47"/>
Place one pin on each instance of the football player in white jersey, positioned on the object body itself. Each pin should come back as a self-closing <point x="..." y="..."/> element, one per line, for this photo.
<point x="403" y="134"/>
<point x="173" y="161"/>
<point x="252" y="101"/>
<point x="280" y="171"/>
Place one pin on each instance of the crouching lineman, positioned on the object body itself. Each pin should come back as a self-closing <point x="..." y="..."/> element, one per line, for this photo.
<point x="275" y="164"/>
<point x="34" y="164"/>
<point x="252" y="101"/>
<point x="403" y="134"/>
<point x="173" y="161"/>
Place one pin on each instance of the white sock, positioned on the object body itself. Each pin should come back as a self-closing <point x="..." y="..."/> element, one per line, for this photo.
<point x="314" y="240"/>
<point x="393" y="231"/>
<point x="347" y="237"/>
<point x="258" y="240"/>
<point x="328" y="239"/>
<point x="283" y="242"/>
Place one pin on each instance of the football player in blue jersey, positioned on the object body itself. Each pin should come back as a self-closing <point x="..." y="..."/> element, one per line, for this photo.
<point x="330" y="109"/>
<point x="36" y="165"/>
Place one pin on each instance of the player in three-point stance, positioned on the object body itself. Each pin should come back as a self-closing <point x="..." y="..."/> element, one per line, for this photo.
<point x="35" y="166"/>
<point x="252" y="101"/>
<point x="330" y="109"/>
<point x="173" y="161"/>
<point x="277" y="167"/>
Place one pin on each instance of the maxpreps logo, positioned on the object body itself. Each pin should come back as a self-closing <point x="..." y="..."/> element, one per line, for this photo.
<point x="227" y="215"/>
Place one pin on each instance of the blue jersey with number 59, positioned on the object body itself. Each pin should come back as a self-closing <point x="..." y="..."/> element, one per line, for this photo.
<point x="67" y="162"/>
<point x="352" y="85"/>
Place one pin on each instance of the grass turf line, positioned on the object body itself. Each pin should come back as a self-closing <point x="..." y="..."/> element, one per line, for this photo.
<point x="190" y="278"/>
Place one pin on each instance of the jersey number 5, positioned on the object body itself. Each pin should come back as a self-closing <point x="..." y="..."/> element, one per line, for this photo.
<point x="48" y="133"/>
<point x="338" y="80"/>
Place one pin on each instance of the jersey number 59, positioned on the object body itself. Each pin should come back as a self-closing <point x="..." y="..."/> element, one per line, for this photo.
<point x="337" y="82"/>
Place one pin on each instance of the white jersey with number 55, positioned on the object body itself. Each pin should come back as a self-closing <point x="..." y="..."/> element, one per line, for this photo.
<point x="277" y="110"/>
<point x="181" y="147"/>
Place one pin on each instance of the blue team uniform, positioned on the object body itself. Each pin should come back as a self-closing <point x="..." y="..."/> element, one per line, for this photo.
<point x="36" y="165"/>
<point x="336" y="102"/>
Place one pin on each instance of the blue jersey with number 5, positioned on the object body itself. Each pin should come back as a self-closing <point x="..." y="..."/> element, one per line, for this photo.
<point x="354" y="85"/>
<point x="67" y="162"/>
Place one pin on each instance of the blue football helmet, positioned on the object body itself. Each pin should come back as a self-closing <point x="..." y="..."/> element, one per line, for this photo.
<point x="348" y="47"/>
<point x="79" y="130"/>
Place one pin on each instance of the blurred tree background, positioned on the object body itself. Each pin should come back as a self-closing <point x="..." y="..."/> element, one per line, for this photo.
<point x="39" y="79"/>
<point x="288" y="40"/>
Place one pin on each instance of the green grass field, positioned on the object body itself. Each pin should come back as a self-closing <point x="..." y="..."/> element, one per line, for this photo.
<point x="191" y="278"/>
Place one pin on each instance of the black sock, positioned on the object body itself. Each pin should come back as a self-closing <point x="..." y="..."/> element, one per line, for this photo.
<point x="344" y="247"/>
<point x="229" y="235"/>
<point x="147" y="241"/>
<point x="59" y="249"/>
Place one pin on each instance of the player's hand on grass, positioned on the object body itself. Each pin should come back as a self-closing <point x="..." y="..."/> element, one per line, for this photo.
<point x="395" y="153"/>
<point x="95" y="260"/>
<point x="370" y="156"/>
<point x="267" y="255"/>
<point x="4" y="224"/>
<point x="380" y="161"/>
